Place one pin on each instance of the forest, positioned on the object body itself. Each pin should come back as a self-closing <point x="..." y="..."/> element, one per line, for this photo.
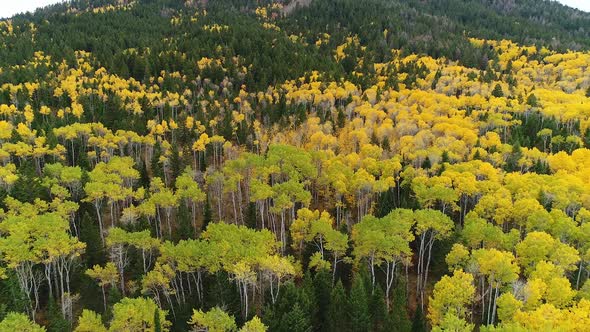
<point x="296" y="166"/>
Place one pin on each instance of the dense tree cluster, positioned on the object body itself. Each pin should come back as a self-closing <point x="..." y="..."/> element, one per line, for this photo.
<point x="294" y="166"/>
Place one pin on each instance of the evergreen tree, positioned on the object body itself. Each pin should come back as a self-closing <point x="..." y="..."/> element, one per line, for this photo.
<point x="513" y="158"/>
<point x="437" y="77"/>
<point x="532" y="101"/>
<point x="207" y="215"/>
<point x="385" y="203"/>
<point x="157" y="323"/>
<point x="113" y="297"/>
<point x="11" y="295"/>
<point x="120" y="66"/>
<point x="144" y="177"/>
<point x="291" y="312"/>
<point x="323" y="287"/>
<point x="250" y="219"/>
<point x="222" y="292"/>
<point x="398" y="317"/>
<point x="419" y="323"/>
<point x="337" y="316"/>
<point x="378" y="309"/>
<point x="82" y="159"/>
<point x="445" y="157"/>
<point x="295" y="320"/>
<point x="28" y="186"/>
<point x="90" y="234"/>
<point x="55" y="320"/>
<point x="358" y="307"/>
<point x="185" y="228"/>
<point x="341" y="119"/>
<point x="498" y="92"/>
<point x="426" y="164"/>
<point x="157" y="170"/>
<point x="175" y="163"/>
<point x="477" y="155"/>
<point x="308" y="299"/>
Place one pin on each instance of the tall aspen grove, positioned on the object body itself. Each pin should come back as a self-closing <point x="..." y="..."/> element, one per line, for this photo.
<point x="295" y="166"/>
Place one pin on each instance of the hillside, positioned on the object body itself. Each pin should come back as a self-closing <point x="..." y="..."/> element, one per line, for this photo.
<point x="323" y="165"/>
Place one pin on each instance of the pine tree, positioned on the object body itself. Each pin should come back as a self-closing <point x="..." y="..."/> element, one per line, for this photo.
<point x="55" y="320"/>
<point x="532" y="100"/>
<point x="398" y="317"/>
<point x="358" y="307"/>
<point x="378" y="309"/>
<point x="385" y="145"/>
<point x="11" y="294"/>
<point x="295" y="320"/>
<point x="251" y="216"/>
<point x="185" y="229"/>
<point x="308" y="299"/>
<point x="426" y="164"/>
<point x="90" y="234"/>
<point x="323" y="287"/>
<point x="418" y="323"/>
<point x="207" y="216"/>
<point x="157" y="170"/>
<point x="445" y="157"/>
<point x="337" y="317"/>
<point x="341" y="119"/>
<point x="82" y="159"/>
<point x="292" y="311"/>
<point x="511" y="162"/>
<point x="498" y="92"/>
<point x="113" y="297"/>
<point x="157" y="323"/>
<point x="144" y="177"/>
<point x="222" y="291"/>
<point x="477" y="155"/>
<point x="28" y="186"/>
<point x="437" y="77"/>
<point x="385" y="203"/>
<point x="175" y="163"/>
<point x="120" y="66"/>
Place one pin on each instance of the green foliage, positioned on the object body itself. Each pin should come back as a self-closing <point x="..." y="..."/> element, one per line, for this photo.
<point x="214" y="320"/>
<point x="90" y="321"/>
<point x="207" y="215"/>
<point x="532" y="100"/>
<point x="227" y="122"/>
<point x="89" y="234"/>
<point x="292" y="311"/>
<point x="358" y="307"/>
<point x="251" y="215"/>
<point x="157" y="322"/>
<point x="19" y="322"/>
<point x="12" y="298"/>
<point x="56" y="321"/>
<point x="222" y="291"/>
<point x="498" y="92"/>
<point x="28" y="186"/>
<point x="419" y="321"/>
<point x="322" y="282"/>
<point x="378" y="310"/>
<point x="254" y="325"/>
<point x="295" y="320"/>
<point x="337" y="321"/>
<point x="185" y="227"/>
<point x="398" y="316"/>
<point x="132" y="314"/>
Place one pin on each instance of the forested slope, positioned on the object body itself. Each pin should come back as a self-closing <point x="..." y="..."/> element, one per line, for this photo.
<point x="338" y="166"/>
